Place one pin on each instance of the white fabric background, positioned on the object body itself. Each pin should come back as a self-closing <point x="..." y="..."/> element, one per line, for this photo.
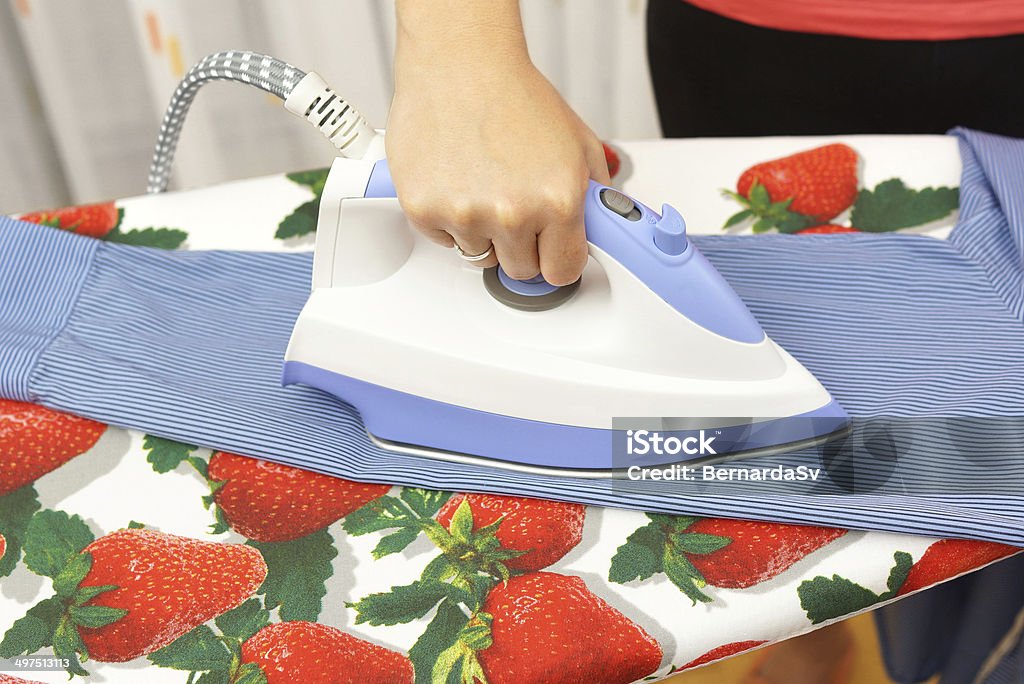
<point x="83" y="84"/>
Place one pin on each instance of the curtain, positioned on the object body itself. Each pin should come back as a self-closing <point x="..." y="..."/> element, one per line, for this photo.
<point x="83" y="84"/>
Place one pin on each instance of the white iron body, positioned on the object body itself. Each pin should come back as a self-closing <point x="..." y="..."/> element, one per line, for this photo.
<point x="409" y="321"/>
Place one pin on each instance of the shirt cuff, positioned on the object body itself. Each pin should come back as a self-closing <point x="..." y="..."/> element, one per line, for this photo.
<point x="42" y="272"/>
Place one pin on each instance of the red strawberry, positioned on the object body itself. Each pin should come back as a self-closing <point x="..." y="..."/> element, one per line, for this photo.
<point x="11" y="679"/>
<point x="545" y="530"/>
<point x="826" y="228"/>
<point x="822" y="182"/>
<point x="948" y="558"/>
<point x="168" y="584"/>
<point x="268" y="502"/>
<point x="756" y="551"/>
<point x="309" y="652"/>
<point x="612" y="159"/>
<point x="94" y="220"/>
<point x="551" y="628"/>
<point x="3" y="545"/>
<point x="723" y="651"/>
<point x="35" y="440"/>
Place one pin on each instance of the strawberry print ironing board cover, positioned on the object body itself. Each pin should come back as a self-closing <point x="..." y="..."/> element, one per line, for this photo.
<point x="245" y="567"/>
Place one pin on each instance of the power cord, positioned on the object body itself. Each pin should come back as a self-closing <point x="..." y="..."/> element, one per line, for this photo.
<point x="304" y="94"/>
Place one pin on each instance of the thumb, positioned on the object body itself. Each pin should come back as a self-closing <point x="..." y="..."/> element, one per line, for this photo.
<point x="597" y="163"/>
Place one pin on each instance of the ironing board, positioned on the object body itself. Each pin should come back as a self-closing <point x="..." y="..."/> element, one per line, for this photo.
<point x="818" y="575"/>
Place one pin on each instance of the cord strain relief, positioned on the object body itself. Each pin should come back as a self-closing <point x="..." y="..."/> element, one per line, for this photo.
<point x="336" y="119"/>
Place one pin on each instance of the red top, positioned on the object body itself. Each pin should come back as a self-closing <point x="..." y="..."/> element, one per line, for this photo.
<point x="879" y="19"/>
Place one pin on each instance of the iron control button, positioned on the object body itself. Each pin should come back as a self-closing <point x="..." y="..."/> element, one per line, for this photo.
<point x="535" y="294"/>
<point x="620" y="204"/>
<point x="670" y="232"/>
<point x="534" y="287"/>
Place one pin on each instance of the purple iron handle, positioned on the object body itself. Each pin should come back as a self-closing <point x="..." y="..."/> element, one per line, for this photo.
<point x="654" y="248"/>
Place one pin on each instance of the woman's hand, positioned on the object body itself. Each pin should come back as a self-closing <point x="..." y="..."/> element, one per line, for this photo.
<point x="482" y="148"/>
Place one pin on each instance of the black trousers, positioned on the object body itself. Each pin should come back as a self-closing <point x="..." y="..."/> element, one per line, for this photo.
<point x="717" y="77"/>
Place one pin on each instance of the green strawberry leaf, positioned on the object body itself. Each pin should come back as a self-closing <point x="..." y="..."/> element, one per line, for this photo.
<point x="477" y="639"/>
<point x="768" y="214"/>
<point x="664" y="545"/>
<point x="892" y="205"/>
<point x="50" y="222"/>
<point x="313" y="179"/>
<point x="461" y="526"/>
<point x="440" y="568"/>
<point x="451" y="671"/>
<point x="220" y="521"/>
<point x="898" y="573"/>
<point x="684" y="575"/>
<point x="424" y="502"/>
<point x="65" y="584"/>
<point x="120" y="219"/>
<point x="249" y="673"/>
<point x="759" y="198"/>
<point x="297" y="572"/>
<point x="53" y="539"/>
<point x="215" y="677"/>
<point x="67" y="643"/>
<point x="442" y="538"/>
<point x="384" y="513"/>
<point x="201" y="466"/>
<point x="300" y="222"/>
<point x="16" y="510"/>
<point x="440" y="635"/>
<point x="34" y="631"/>
<point x="700" y="544"/>
<point x="476" y="587"/>
<point x="200" y="650"/>
<point x="453" y="665"/>
<point x="95" y="616"/>
<point x="165" y="454"/>
<point x="459" y="663"/>
<point x="472" y="670"/>
<point x="672" y="523"/>
<point x="791" y="222"/>
<point x="84" y="594"/>
<point x="410" y="513"/>
<point x="406" y="603"/>
<point x="825" y="598"/>
<point x="395" y="542"/>
<point x="477" y="634"/>
<point x="163" y="238"/>
<point x="640" y="557"/>
<point x="244" y="621"/>
<point x="738" y="217"/>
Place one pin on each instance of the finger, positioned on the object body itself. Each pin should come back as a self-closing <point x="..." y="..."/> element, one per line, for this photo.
<point x="598" y="164"/>
<point x="474" y="243"/>
<point x="562" y="249"/>
<point x="435" y="235"/>
<point x="517" y="253"/>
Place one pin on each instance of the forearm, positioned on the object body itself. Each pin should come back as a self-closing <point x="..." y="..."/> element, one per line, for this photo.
<point x="436" y="34"/>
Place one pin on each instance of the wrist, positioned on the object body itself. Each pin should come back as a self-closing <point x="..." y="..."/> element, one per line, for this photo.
<point x="437" y="35"/>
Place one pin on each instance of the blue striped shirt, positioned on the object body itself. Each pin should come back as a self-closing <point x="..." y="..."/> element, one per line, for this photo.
<point x="898" y="327"/>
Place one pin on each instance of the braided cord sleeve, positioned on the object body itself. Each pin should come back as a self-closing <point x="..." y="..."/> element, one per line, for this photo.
<point x="261" y="71"/>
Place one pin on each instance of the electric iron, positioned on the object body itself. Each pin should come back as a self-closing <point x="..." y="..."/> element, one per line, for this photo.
<point x="649" y="359"/>
<point x="446" y="360"/>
